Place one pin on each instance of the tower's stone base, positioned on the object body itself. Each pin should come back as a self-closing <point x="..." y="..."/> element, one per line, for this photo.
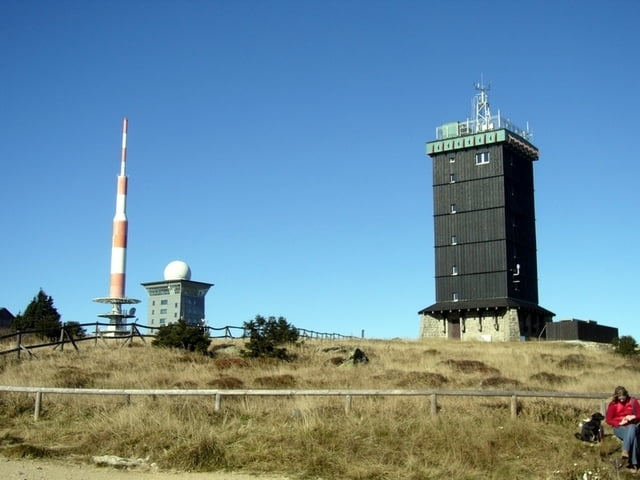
<point x="489" y="325"/>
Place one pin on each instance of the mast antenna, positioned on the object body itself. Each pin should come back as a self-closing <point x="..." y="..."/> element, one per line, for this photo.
<point x="482" y="113"/>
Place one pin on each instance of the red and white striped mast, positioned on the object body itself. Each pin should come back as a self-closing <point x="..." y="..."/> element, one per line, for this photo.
<point x="120" y="226"/>
<point x="117" y="279"/>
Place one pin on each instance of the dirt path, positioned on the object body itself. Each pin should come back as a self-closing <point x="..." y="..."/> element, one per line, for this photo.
<point x="36" y="469"/>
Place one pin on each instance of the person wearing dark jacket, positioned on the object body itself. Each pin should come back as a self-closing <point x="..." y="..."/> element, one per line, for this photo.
<point x="623" y="414"/>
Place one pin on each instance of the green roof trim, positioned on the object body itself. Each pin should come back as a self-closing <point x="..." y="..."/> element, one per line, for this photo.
<point x="480" y="139"/>
<point x="467" y="141"/>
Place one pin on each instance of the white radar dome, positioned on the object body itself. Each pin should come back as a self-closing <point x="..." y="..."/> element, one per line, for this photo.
<point x="177" y="270"/>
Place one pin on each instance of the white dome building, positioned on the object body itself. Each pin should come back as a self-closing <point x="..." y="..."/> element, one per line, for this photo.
<point x="176" y="297"/>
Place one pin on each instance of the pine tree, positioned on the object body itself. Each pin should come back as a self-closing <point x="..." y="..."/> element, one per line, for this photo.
<point x="267" y="334"/>
<point x="182" y="335"/>
<point x="40" y="315"/>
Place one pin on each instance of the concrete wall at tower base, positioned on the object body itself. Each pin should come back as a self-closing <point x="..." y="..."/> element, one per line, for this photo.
<point x="502" y="325"/>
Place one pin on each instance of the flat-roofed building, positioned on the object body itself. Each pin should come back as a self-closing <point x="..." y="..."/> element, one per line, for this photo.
<point x="176" y="297"/>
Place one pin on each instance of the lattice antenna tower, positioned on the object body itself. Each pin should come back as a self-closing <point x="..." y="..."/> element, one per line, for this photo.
<point x="481" y="112"/>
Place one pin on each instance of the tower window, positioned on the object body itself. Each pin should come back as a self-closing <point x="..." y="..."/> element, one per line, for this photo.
<point x="454" y="239"/>
<point x="452" y="178"/>
<point x="454" y="270"/>
<point x="163" y="311"/>
<point x="453" y="208"/>
<point x="455" y="296"/>
<point x="163" y="302"/>
<point x="482" y="158"/>
<point x="452" y="159"/>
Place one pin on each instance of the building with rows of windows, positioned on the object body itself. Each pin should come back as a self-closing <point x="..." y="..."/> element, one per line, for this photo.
<point x="176" y="297"/>
<point x="484" y="227"/>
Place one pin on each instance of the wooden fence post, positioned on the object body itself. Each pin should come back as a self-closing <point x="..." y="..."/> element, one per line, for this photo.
<point x="347" y="406"/>
<point x="36" y="412"/>
<point x="434" y="404"/>
<point x="216" y="402"/>
<point x="514" y="406"/>
<point x="19" y="344"/>
<point x="60" y="340"/>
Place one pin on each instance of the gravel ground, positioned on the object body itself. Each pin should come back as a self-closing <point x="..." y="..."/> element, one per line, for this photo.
<point x="36" y="469"/>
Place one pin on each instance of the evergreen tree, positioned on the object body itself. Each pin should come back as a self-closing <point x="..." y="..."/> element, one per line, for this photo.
<point x="182" y="335"/>
<point x="267" y="334"/>
<point x="40" y="315"/>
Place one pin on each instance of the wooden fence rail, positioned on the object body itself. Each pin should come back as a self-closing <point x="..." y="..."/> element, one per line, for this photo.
<point x="125" y="334"/>
<point x="348" y="395"/>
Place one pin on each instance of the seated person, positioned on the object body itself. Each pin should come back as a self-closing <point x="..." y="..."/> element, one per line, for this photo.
<point x="623" y="414"/>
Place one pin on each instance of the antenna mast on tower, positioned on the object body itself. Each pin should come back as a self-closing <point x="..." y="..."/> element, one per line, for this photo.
<point x="482" y="114"/>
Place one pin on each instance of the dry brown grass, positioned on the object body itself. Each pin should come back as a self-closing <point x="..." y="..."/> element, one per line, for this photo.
<point x="381" y="438"/>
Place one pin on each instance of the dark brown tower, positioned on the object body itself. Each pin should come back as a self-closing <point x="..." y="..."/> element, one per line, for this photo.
<point x="484" y="223"/>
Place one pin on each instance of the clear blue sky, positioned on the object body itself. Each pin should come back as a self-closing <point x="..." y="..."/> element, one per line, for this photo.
<point x="278" y="148"/>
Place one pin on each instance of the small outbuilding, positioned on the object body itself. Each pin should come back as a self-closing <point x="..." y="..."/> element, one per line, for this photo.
<point x="585" y="330"/>
<point x="6" y="317"/>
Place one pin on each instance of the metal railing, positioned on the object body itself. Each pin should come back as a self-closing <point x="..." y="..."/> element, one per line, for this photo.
<point x="471" y="126"/>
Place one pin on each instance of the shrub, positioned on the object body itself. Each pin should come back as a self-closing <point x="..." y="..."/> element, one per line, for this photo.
<point x="75" y="330"/>
<point x="181" y="335"/>
<point x="499" y="381"/>
<point x="265" y="336"/>
<point x="226" y="363"/>
<point x="72" y="377"/>
<point x="573" y="360"/>
<point x="276" y="381"/>
<point x="471" y="366"/>
<point x="549" y="378"/>
<point x="418" y="379"/>
<point x="226" y="382"/>
<point x="625" y="346"/>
